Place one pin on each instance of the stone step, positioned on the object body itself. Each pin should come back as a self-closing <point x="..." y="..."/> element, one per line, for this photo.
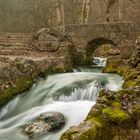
<point x="14" y="48"/>
<point x="12" y="34"/>
<point x="18" y="35"/>
<point x="14" y="41"/>
<point x="13" y="44"/>
<point x="14" y="52"/>
<point x="14" y="38"/>
<point x="15" y="34"/>
<point x="3" y="40"/>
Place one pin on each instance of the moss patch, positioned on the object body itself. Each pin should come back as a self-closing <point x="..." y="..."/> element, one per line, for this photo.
<point x="115" y="115"/>
<point x="21" y="85"/>
<point x="116" y="104"/>
<point x="86" y="131"/>
<point x="113" y="66"/>
<point x="130" y="74"/>
<point x="136" y="111"/>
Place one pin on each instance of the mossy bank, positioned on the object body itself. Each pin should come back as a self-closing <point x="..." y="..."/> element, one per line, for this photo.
<point x="116" y="115"/>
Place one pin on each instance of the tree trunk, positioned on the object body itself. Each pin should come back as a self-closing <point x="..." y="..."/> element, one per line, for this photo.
<point x="86" y="6"/>
<point x="83" y="12"/>
<point x="120" y="10"/>
<point x="49" y="13"/>
<point x="79" y="12"/>
<point x="60" y="15"/>
<point x="63" y="16"/>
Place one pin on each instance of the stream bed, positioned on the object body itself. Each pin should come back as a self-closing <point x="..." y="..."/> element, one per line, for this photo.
<point x="72" y="94"/>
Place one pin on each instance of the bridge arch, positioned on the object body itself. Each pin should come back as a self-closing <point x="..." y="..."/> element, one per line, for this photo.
<point x="96" y="43"/>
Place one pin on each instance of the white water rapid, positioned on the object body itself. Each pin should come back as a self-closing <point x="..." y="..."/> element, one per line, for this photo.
<point x="72" y="94"/>
<point x="101" y="62"/>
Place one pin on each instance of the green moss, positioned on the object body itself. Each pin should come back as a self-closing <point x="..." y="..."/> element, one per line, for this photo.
<point x="116" y="66"/>
<point x="136" y="111"/>
<point x="116" y="104"/>
<point x="118" y="138"/>
<point x="21" y="85"/>
<point x="102" y="93"/>
<point x="138" y="76"/>
<point x="131" y="83"/>
<point x="97" y="120"/>
<point x="115" y="115"/>
<point x="85" y="132"/>
<point x="126" y="91"/>
<point x="90" y="134"/>
<point x="88" y="130"/>
<point x="113" y="66"/>
<point x="132" y="78"/>
<point x="132" y="75"/>
<point x="138" y="66"/>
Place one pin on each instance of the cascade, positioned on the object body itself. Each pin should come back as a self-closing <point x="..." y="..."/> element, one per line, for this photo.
<point x="72" y="94"/>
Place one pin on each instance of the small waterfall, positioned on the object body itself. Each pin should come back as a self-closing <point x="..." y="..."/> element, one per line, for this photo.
<point x="100" y="62"/>
<point x="96" y="67"/>
<point x="89" y="94"/>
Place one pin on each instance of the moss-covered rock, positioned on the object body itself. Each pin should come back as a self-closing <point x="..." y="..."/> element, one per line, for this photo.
<point x="113" y="65"/>
<point x="85" y="131"/>
<point x="126" y="91"/>
<point x="136" y="111"/>
<point x="115" y="115"/>
<point x="20" y="85"/>
<point x="131" y="75"/>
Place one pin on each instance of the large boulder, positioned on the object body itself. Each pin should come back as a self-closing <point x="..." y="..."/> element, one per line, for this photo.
<point x="49" y="40"/>
<point x="46" y="122"/>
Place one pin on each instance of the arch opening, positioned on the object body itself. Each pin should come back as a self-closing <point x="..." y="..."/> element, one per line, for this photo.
<point x="93" y="45"/>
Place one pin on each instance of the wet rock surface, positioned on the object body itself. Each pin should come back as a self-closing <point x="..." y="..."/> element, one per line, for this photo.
<point x="46" y="122"/>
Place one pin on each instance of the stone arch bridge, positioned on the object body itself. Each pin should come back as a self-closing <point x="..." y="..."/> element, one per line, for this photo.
<point x="122" y="35"/>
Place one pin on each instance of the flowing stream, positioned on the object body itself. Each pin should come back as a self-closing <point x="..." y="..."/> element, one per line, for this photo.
<point x="72" y="94"/>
